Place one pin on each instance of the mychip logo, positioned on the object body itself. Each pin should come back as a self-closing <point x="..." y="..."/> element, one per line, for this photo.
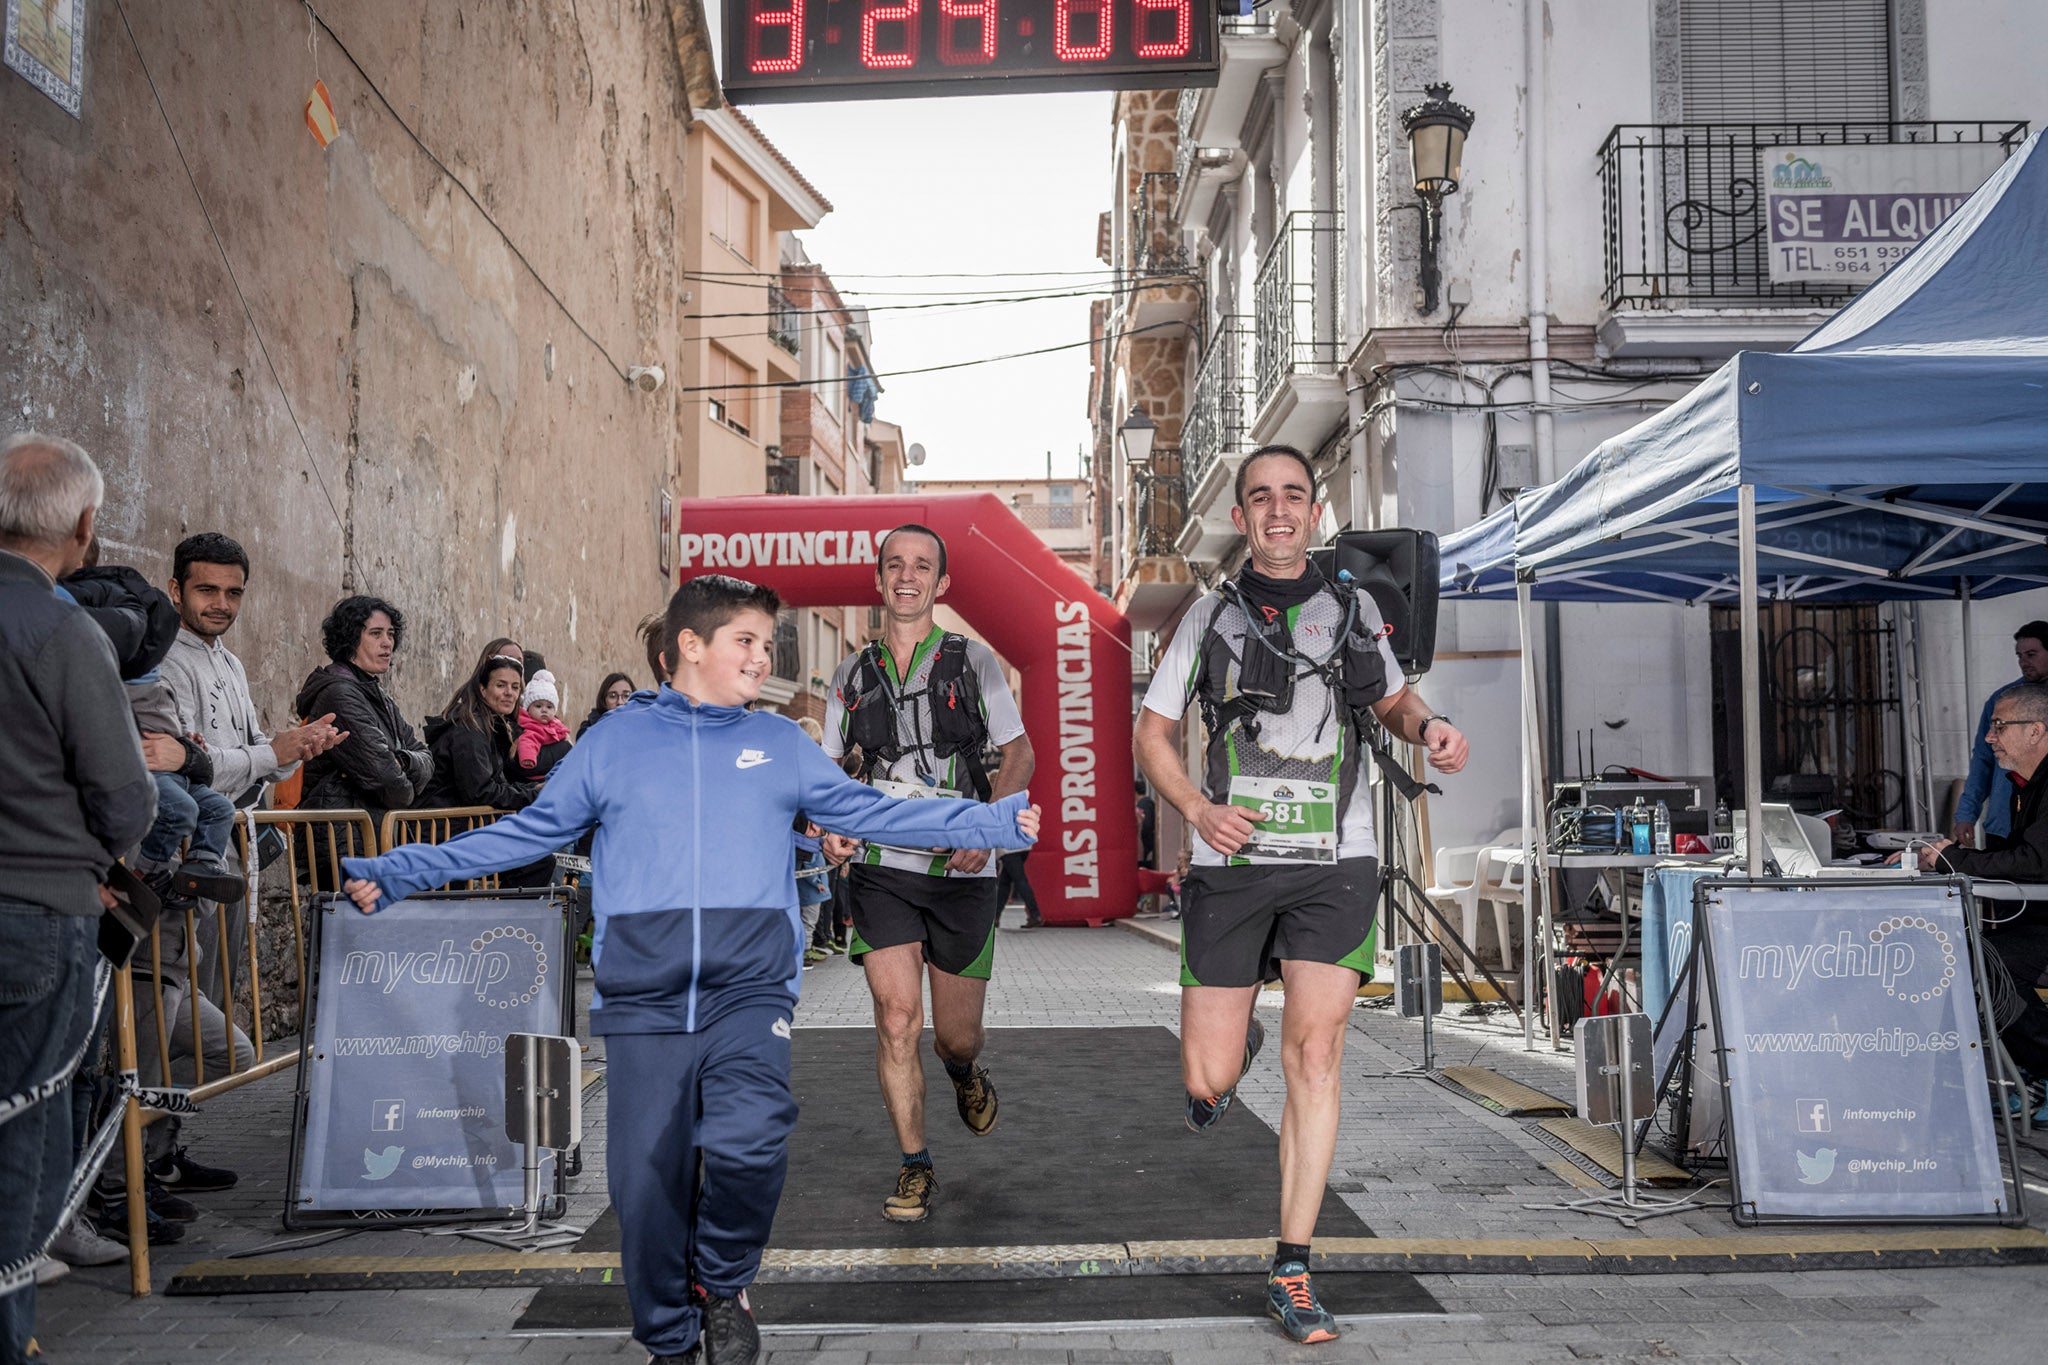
<point x="505" y="966"/>
<point x="1930" y="957"/>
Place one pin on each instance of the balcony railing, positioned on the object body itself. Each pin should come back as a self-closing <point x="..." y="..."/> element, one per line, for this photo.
<point x="1159" y="505"/>
<point x="782" y="477"/>
<point x="788" y="663"/>
<point x="1220" y="412"/>
<point x="785" y="321"/>
<point x="1184" y="122"/>
<point x="1053" y="516"/>
<point x="1295" y="325"/>
<point x="1682" y="212"/>
<point x="1155" y="242"/>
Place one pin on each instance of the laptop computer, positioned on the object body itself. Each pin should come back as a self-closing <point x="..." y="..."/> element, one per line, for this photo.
<point x="1802" y="845"/>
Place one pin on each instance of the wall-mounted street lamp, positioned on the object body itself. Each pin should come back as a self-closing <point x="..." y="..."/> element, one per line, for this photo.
<point x="1136" y="436"/>
<point x="1436" y="131"/>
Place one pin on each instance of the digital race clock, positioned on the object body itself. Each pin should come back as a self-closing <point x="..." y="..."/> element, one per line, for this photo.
<point x="859" y="49"/>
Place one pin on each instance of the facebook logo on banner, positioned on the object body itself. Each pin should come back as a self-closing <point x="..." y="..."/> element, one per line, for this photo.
<point x="387" y="1116"/>
<point x="1813" y="1115"/>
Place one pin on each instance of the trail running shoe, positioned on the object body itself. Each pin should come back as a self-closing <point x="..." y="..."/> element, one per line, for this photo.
<point x="915" y="1188"/>
<point x="1203" y="1113"/>
<point x="730" y="1336"/>
<point x="1291" y="1300"/>
<point x="976" y="1098"/>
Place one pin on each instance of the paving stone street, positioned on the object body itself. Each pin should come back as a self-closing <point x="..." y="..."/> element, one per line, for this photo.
<point x="1415" y="1160"/>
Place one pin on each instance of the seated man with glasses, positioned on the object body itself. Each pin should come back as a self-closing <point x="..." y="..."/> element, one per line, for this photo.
<point x="2018" y="735"/>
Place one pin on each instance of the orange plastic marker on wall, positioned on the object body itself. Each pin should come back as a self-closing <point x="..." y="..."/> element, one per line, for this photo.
<point x="320" y="115"/>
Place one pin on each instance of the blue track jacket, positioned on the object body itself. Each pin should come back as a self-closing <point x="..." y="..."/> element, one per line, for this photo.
<point x="695" y="893"/>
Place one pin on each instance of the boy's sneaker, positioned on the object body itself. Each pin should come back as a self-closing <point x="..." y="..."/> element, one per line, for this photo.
<point x="179" y="1171"/>
<point x="113" y="1222"/>
<point x="164" y="1204"/>
<point x="207" y="879"/>
<point x="78" y="1244"/>
<point x="1203" y="1113"/>
<point x="1291" y="1299"/>
<point x="49" y="1270"/>
<point x="976" y="1100"/>
<point x="912" y="1202"/>
<point x="730" y="1336"/>
<point x="164" y="883"/>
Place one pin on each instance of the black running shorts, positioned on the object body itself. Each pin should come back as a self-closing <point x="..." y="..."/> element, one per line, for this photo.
<point x="954" y="918"/>
<point x="1239" y="923"/>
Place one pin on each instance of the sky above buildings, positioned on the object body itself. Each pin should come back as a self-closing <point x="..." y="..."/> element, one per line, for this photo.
<point x="993" y="187"/>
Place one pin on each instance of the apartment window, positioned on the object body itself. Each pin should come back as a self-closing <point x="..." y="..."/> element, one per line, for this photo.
<point x="1772" y="61"/>
<point x="833" y="380"/>
<point x="733" y="215"/>
<point x="732" y="395"/>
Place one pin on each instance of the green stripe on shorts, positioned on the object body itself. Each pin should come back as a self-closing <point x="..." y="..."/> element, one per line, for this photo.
<point x="1360" y="959"/>
<point x="978" y="970"/>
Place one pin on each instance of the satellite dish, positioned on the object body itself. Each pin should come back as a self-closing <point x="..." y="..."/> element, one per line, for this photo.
<point x="915" y="454"/>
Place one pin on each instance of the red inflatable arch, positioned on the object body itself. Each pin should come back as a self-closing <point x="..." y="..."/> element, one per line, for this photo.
<point x="1071" y="645"/>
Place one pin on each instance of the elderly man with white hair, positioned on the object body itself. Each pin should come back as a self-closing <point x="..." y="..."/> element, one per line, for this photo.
<point x="74" y="798"/>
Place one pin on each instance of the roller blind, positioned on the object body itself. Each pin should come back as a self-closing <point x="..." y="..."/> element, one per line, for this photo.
<point x="1772" y="61"/>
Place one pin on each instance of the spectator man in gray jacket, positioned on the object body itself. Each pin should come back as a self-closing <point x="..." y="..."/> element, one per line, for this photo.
<point x="74" y="798"/>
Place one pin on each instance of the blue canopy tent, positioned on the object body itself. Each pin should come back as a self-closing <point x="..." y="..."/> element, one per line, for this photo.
<point x="1805" y="475"/>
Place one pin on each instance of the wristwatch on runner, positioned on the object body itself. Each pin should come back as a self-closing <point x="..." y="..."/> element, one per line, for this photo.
<point x="1422" y="730"/>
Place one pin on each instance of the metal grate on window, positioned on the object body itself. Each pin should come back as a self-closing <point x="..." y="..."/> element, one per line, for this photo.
<point x="1757" y="61"/>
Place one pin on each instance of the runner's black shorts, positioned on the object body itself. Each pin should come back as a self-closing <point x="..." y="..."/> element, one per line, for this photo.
<point x="1239" y="923"/>
<point x="953" y="918"/>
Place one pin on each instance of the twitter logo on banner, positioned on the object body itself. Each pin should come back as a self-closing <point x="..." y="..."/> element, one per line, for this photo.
<point x="1815" y="1169"/>
<point x="378" y="1165"/>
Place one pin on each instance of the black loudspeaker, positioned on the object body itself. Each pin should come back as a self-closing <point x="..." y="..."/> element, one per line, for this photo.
<point x="1399" y="570"/>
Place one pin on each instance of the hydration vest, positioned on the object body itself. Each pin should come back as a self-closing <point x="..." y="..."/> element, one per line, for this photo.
<point x="953" y="696"/>
<point x="1355" y="674"/>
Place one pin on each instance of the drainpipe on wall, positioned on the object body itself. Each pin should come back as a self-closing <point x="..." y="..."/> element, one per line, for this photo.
<point x="1537" y="98"/>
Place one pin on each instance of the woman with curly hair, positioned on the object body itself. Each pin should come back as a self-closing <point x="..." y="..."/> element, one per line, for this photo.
<point x="381" y="765"/>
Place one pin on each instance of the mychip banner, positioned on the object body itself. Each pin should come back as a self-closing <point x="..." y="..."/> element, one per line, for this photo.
<point x="1856" y="1077"/>
<point x="1850" y="213"/>
<point x="405" y="1080"/>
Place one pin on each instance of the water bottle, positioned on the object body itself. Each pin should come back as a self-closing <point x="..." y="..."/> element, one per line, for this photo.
<point x="1723" y="840"/>
<point x="1639" y="828"/>
<point x="1661" y="830"/>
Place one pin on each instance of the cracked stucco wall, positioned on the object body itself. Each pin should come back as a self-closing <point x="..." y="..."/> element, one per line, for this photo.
<point x="426" y="404"/>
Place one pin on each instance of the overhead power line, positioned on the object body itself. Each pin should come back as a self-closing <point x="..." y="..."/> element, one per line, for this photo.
<point x="926" y="369"/>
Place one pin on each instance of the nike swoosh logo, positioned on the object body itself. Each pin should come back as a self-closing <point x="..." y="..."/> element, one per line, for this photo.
<point x="752" y="758"/>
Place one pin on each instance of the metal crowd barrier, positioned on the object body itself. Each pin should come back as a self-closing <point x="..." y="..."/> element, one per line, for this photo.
<point x="314" y="843"/>
<point x="439" y="826"/>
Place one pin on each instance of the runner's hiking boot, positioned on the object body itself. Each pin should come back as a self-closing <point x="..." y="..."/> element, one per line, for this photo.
<point x="912" y="1202"/>
<point x="730" y="1336"/>
<point x="1202" y="1114"/>
<point x="1291" y="1299"/>
<point x="976" y="1097"/>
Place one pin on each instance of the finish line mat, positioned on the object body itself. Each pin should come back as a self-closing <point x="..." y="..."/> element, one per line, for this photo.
<point x="1090" y="1156"/>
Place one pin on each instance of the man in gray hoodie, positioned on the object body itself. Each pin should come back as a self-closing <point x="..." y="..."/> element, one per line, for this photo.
<point x="76" y="797"/>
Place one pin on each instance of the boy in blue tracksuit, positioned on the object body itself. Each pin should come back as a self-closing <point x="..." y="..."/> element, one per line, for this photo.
<point x="698" y="952"/>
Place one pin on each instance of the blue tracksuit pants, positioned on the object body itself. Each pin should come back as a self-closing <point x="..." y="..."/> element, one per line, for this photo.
<point x="697" y="1146"/>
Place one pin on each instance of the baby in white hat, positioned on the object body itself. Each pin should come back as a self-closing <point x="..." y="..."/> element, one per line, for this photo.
<point x="543" y="738"/>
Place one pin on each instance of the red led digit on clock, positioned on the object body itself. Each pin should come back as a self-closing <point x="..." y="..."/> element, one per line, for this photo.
<point x="791" y="20"/>
<point x="953" y="13"/>
<point x="871" y="54"/>
<point x="1145" y="45"/>
<point x="1063" y="44"/>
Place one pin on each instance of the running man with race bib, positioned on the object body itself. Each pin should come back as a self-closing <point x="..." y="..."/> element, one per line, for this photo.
<point x="920" y="705"/>
<point x="1286" y="868"/>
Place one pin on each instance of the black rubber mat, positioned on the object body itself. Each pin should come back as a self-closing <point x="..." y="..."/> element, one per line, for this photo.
<point x="1090" y="1148"/>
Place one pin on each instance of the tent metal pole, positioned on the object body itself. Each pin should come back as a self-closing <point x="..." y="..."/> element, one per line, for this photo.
<point x="1533" y="871"/>
<point x="1539" y="870"/>
<point x="1752" y="684"/>
<point x="1969" y="680"/>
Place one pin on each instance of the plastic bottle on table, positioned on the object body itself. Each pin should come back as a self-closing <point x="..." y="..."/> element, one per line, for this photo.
<point x="1661" y="830"/>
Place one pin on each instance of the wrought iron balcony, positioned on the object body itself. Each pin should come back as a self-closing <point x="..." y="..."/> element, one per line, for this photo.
<point x="782" y="477"/>
<point x="788" y="664"/>
<point x="1158" y="507"/>
<point x="785" y="321"/>
<point x="1155" y="243"/>
<point x="1184" y="148"/>
<point x="1220" y="411"/>
<point x="1682" y="213"/>
<point x="1295" y="328"/>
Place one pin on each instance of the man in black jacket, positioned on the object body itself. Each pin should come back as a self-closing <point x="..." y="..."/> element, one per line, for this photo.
<point x="2019" y="740"/>
<point x="77" y="797"/>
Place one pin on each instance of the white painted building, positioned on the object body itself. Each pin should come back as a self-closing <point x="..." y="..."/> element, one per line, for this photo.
<point x="1601" y="253"/>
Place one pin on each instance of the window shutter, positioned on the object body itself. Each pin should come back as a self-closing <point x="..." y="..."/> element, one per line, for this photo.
<point x="1775" y="61"/>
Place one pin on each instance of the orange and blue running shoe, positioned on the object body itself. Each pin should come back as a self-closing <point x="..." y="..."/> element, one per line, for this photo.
<point x="1291" y="1299"/>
